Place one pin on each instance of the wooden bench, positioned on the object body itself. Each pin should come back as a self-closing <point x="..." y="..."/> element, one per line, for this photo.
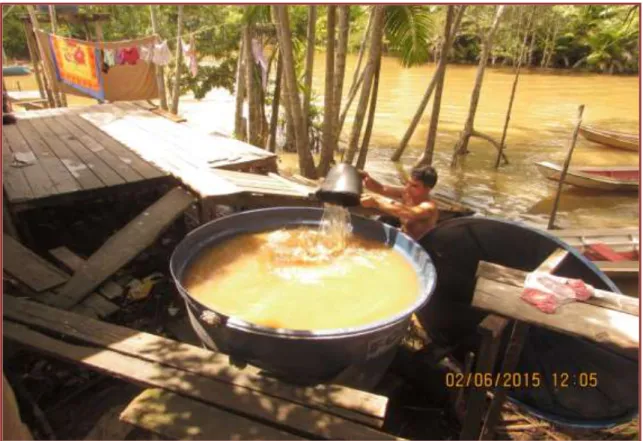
<point x="192" y="378"/>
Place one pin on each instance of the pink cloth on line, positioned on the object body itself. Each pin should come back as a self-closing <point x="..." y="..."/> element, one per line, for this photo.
<point x="547" y="292"/>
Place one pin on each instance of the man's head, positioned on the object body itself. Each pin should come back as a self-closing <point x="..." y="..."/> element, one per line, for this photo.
<point x="423" y="179"/>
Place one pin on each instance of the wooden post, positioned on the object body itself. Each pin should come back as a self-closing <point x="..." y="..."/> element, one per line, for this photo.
<point x="98" y="26"/>
<point x="43" y="55"/>
<point x="491" y="328"/>
<point x="54" y="29"/>
<point x="160" y="79"/>
<point x="33" y="56"/>
<point x="177" y="76"/>
<point x="563" y="173"/>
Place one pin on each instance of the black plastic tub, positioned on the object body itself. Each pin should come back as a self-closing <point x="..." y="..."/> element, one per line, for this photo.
<point x="456" y="247"/>
<point x="357" y="356"/>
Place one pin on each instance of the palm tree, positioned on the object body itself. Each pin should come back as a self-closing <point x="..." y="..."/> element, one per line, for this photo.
<point x="408" y="31"/>
<point x="375" y="52"/>
<point x="310" y="58"/>
<point x="437" y="75"/>
<point x="328" y="136"/>
<point x="463" y="142"/>
<point x="450" y="29"/>
<point x="306" y="163"/>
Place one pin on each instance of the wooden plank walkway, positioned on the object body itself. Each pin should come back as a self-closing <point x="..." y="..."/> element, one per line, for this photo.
<point x="73" y="151"/>
<point x="327" y="411"/>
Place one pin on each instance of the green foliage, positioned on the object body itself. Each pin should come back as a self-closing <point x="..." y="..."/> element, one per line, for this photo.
<point x="409" y="30"/>
<point x="13" y="35"/>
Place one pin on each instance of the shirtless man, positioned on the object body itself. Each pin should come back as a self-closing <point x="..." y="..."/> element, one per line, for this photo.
<point x="412" y="203"/>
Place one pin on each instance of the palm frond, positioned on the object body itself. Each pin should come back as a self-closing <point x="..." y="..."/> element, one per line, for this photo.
<point x="409" y="30"/>
<point x="253" y="14"/>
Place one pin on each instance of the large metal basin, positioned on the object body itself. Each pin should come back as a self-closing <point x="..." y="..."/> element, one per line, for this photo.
<point x="356" y="356"/>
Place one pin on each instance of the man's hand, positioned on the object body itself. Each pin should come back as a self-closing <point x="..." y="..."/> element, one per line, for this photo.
<point x="369" y="201"/>
<point x="370" y="183"/>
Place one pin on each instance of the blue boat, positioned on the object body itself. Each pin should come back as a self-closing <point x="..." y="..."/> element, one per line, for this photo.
<point x="15" y="71"/>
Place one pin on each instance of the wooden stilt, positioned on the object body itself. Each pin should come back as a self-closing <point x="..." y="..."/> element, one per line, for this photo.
<point x="160" y="78"/>
<point x="563" y="173"/>
<point x="44" y="90"/>
<point x="54" y="30"/>
<point x="52" y="80"/>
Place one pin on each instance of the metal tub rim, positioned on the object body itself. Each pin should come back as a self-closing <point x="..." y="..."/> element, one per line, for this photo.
<point x="323" y="334"/>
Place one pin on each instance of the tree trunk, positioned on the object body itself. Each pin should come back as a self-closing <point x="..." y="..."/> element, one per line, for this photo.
<point x="361" y="158"/>
<point x="340" y="67"/>
<point x="274" y="117"/>
<point x="179" y="52"/>
<point x="449" y="31"/>
<point x="54" y="30"/>
<point x="530" y="60"/>
<point x="306" y="163"/>
<point x="369" y="70"/>
<point x="239" y="126"/>
<point x="360" y="56"/>
<point x="328" y="131"/>
<point x="349" y="100"/>
<point x="513" y="92"/>
<point x="439" y="71"/>
<point x="310" y="58"/>
<point x="160" y="78"/>
<point x="254" y="112"/>
<point x="465" y="135"/>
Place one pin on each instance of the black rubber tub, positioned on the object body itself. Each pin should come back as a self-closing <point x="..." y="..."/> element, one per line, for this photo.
<point x="456" y="247"/>
<point x="356" y="356"/>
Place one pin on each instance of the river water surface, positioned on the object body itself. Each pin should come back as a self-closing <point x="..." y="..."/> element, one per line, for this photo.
<point x="541" y="127"/>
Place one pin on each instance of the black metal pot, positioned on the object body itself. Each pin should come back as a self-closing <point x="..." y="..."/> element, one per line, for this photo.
<point x="355" y="356"/>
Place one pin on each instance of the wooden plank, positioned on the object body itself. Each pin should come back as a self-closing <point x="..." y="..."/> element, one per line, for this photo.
<point x="199" y="178"/>
<point x="349" y="403"/>
<point x="62" y="179"/>
<point x="620" y="269"/>
<point x="14" y="181"/>
<point x="41" y="181"/>
<point x="177" y="417"/>
<point x="119" y="166"/>
<point x="601" y="298"/>
<point x="79" y="170"/>
<point x="491" y="329"/>
<point x="237" y="399"/>
<point x="131" y="159"/>
<point x="211" y="149"/>
<point x="74" y="262"/>
<point x="613" y="328"/>
<point x="104" y="172"/>
<point x="123" y="246"/>
<point x="28" y="267"/>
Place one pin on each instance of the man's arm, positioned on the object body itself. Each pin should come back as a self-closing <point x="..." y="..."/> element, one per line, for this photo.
<point x="386" y="190"/>
<point x="406" y="213"/>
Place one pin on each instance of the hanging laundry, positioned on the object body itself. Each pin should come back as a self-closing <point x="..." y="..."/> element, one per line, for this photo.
<point x="109" y="57"/>
<point x="104" y="67"/>
<point x="162" y="54"/>
<point x="257" y="53"/>
<point x="78" y="64"/>
<point x="127" y="55"/>
<point x="146" y="51"/>
<point x="189" y="52"/>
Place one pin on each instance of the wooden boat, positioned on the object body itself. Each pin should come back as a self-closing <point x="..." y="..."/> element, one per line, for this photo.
<point x="611" y="178"/>
<point x="619" y="140"/>
<point x="616" y="252"/>
<point x="15" y="71"/>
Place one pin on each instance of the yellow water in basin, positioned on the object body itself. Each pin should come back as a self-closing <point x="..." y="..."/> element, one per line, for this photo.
<point x="278" y="279"/>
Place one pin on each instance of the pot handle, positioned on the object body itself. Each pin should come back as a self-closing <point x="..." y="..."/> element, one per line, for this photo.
<point x="213" y="319"/>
